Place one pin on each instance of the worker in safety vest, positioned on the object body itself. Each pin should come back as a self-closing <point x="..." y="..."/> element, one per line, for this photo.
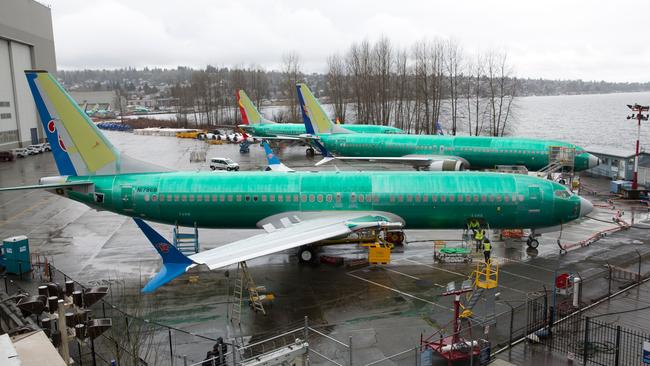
<point x="473" y="225"/>
<point x="487" y="249"/>
<point x="479" y="235"/>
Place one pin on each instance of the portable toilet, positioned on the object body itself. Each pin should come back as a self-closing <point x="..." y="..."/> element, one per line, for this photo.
<point x="16" y="255"/>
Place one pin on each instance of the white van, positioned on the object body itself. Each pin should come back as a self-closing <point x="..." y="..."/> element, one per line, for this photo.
<point x="223" y="164"/>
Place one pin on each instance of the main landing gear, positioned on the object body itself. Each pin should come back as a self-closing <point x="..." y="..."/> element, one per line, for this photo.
<point x="306" y="255"/>
<point x="310" y="152"/>
<point x="395" y="237"/>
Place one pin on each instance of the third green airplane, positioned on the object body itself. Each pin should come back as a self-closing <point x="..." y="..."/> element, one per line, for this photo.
<point x="258" y="126"/>
<point x="431" y="152"/>
<point x="295" y="209"/>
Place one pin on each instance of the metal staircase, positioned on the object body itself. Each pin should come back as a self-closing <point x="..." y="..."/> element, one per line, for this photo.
<point x="245" y="281"/>
<point x="485" y="279"/>
<point x="473" y="300"/>
<point x="186" y="243"/>
<point x="560" y="159"/>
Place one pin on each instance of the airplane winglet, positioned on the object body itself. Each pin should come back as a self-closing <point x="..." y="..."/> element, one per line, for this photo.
<point x="325" y="160"/>
<point x="175" y="263"/>
<point x="274" y="162"/>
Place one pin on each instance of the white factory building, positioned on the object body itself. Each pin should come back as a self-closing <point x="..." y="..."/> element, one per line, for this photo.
<point x="26" y="42"/>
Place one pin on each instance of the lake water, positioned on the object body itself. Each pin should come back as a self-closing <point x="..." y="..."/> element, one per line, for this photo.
<point x="596" y="122"/>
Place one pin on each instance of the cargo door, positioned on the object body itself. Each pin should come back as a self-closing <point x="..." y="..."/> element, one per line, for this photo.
<point x="127" y="197"/>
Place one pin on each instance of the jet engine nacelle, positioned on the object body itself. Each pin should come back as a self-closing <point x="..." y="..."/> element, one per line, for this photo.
<point x="446" y="166"/>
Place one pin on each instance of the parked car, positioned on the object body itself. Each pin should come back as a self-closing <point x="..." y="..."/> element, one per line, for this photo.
<point x="7" y="156"/>
<point x="36" y="149"/>
<point x="20" y="152"/>
<point x="223" y="164"/>
<point x="47" y="146"/>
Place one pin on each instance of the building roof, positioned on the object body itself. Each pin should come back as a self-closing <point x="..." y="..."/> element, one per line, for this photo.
<point x="616" y="152"/>
<point x="29" y="349"/>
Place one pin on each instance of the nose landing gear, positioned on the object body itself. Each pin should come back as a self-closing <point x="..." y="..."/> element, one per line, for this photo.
<point x="531" y="241"/>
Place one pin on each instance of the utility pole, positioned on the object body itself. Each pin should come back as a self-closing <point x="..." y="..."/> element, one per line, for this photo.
<point x="638" y="113"/>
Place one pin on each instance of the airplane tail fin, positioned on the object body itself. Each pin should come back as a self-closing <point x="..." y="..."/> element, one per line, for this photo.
<point x="274" y="162"/>
<point x="175" y="263"/>
<point x="249" y="114"/>
<point x="315" y="119"/>
<point x="79" y="148"/>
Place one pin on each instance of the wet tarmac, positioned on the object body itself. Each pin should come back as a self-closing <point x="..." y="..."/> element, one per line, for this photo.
<point x="383" y="308"/>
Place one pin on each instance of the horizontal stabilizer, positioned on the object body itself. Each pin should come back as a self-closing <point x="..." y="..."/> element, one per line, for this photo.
<point x="174" y="262"/>
<point x="48" y="186"/>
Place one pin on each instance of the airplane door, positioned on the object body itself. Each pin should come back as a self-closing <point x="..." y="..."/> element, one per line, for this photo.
<point x="127" y="197"/>
<point x="534" y="199"/>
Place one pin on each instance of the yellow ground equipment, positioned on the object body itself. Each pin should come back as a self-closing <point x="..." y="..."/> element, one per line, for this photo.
<point x="188" y="134"/>
<point x="484" y="278"/>
<point x="215" y="142"/>
<point x="487" y="274"/>
<point x="378" y="253"/>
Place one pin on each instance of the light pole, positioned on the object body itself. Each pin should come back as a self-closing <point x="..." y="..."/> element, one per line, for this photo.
<point x="638" y="113"/>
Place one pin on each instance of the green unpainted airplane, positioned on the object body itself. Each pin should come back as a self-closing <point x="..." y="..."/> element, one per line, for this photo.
<point x="256" y="125"/>
<point x="295" y="209"/>
<point x="429" y="152"/>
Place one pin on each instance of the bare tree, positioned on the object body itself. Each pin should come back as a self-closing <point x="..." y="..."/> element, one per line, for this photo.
<point x="473" y="90"/>
<point x="403" y="91"/>
<point x="258" y="85"/>
<point x="501" y="91"/>
<point x="383" y="68"/>
<point x="292" y="75"/>
<point x="337" y="85"/>
<point x="453" y="66"/>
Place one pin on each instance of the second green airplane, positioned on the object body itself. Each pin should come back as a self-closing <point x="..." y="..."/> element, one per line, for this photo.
<point x="432" y="152"/>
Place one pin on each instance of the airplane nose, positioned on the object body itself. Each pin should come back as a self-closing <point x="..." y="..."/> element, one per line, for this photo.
<point x="585" y="206"/>
<point x="593" y="161"/>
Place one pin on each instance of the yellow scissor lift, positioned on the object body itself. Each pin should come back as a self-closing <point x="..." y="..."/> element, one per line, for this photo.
<point x="485" y="279"/>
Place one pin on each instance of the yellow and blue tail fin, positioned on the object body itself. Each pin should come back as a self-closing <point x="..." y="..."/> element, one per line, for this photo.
<point x="249" y="114"/>
<point x="79" y="148"/>
<point x="316" y="120"/>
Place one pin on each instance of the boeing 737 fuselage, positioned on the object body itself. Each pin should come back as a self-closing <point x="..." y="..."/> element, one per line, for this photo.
<point x="442" y="200"/>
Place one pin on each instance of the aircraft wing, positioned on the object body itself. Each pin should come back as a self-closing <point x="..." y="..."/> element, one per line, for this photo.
<point x="285" y="231"/>
<point x="430" y="162"/>
<point x="281" y="138"/>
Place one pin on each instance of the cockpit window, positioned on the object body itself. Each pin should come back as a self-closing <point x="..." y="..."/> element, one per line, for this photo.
<point x="563" y="193"/>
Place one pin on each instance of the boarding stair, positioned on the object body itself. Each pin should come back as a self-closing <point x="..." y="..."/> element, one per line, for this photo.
<point x="186" y="243"/>
<point x="245" y="281"/>
<point x="561" y="159"/>
<point x="474" y="298"/>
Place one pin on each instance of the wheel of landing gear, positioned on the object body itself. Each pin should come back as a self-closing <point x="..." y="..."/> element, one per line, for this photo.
<point x="310" y="152"/>
<point x="395" y="237"/>
<point x="532" y="243"/>
<point x="306" y="255"/>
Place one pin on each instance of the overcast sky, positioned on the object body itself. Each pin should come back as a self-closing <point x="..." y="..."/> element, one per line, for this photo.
<point x="590" y="40"/>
